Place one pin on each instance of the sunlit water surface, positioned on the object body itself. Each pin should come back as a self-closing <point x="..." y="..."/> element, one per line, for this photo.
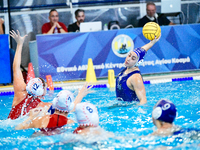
<point x="130" y="123"/>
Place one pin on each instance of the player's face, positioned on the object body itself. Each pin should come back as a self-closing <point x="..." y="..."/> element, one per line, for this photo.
<point x="151" y="10"/>
<point x="45" y="89"/>
<point x="80" y="17"/>
<point x="54" y="17"/>
<point x="131" y="59"/>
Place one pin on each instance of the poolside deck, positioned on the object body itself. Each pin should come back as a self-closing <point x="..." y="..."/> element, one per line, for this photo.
<point x="153" y="78"/>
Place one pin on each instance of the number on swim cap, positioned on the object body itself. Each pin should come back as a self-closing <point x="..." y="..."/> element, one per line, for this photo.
<point x="35" y="86"/>
<point x="89" y="109"/>
<point x="166" y="106"/>
<point x="69" y="98"/>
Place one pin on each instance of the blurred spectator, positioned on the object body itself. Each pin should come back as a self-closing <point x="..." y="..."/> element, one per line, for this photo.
<point x="80" y="17"/>
<point x="152" y="16"/>
<point x="54" y="26"/>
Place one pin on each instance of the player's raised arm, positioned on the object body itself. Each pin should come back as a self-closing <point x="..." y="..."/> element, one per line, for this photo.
<point x="18" y="81"/>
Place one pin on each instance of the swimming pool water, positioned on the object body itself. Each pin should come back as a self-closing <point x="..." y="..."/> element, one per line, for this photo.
<point x="130" y="123"/>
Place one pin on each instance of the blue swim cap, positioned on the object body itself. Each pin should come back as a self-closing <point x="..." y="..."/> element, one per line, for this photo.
<point x="164" y="110"/>
<point x="140" y="53"/>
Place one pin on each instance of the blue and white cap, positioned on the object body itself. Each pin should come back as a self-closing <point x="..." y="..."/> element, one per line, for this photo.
<point x="35" y="87"/>
<point x="164" y="110"/>
<point x="64" y="101"/>
<point x="140" y="52"/>
<point x="87" y="114"/>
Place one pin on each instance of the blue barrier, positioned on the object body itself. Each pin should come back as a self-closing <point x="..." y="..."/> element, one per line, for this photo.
<point x="5" y="67"/>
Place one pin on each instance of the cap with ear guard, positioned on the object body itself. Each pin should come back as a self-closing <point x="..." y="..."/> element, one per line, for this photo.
<point x="87" y="114"/>
<point x="35" y="87"/>
<point x="64" y="101"/>
<point x="164" y="110"/>
<point x="140" y="52"/>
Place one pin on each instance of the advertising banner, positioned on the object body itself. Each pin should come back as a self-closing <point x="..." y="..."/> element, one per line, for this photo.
<point x="65" y="56"/>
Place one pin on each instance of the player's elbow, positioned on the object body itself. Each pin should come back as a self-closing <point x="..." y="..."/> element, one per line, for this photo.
<point x="143" y="101"/>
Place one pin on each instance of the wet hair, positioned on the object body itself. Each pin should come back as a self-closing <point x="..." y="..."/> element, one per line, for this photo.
<point x="52" y="11"/>
<point x="77" y="11"/>
<point x="150" y="3"/>
<point x="42" y="81"/>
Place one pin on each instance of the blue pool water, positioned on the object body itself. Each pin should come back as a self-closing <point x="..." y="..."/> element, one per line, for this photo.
<point x="129" y="123"/>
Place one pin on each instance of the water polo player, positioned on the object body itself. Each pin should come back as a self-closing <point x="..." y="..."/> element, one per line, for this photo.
<point x="63" y="104"/>
<point x="88" y="119"/>
<point x="129" y="82"/>
<point x="28" y="96"/>
<point x="163" y="115"/>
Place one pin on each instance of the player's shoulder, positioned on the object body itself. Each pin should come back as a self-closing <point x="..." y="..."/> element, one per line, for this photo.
<point x="135" y="78"/>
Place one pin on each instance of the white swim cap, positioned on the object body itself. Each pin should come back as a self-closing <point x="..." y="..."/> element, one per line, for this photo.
<point x="35" y="87"/>
<point x="87" y="114"/>
<point x="64" y="101"/>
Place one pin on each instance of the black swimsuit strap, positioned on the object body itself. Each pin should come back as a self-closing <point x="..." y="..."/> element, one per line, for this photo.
<point x="29" y="103"/>
<point x="57" y="120"/>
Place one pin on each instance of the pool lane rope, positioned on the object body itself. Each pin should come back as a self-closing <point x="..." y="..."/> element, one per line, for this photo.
<point x="6" y="93"/>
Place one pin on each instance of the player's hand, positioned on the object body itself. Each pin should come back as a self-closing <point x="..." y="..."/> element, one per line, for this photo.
<point x="85" y="89"/>
<point x="155" y="40"/>
<point x="16" y="36"/>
